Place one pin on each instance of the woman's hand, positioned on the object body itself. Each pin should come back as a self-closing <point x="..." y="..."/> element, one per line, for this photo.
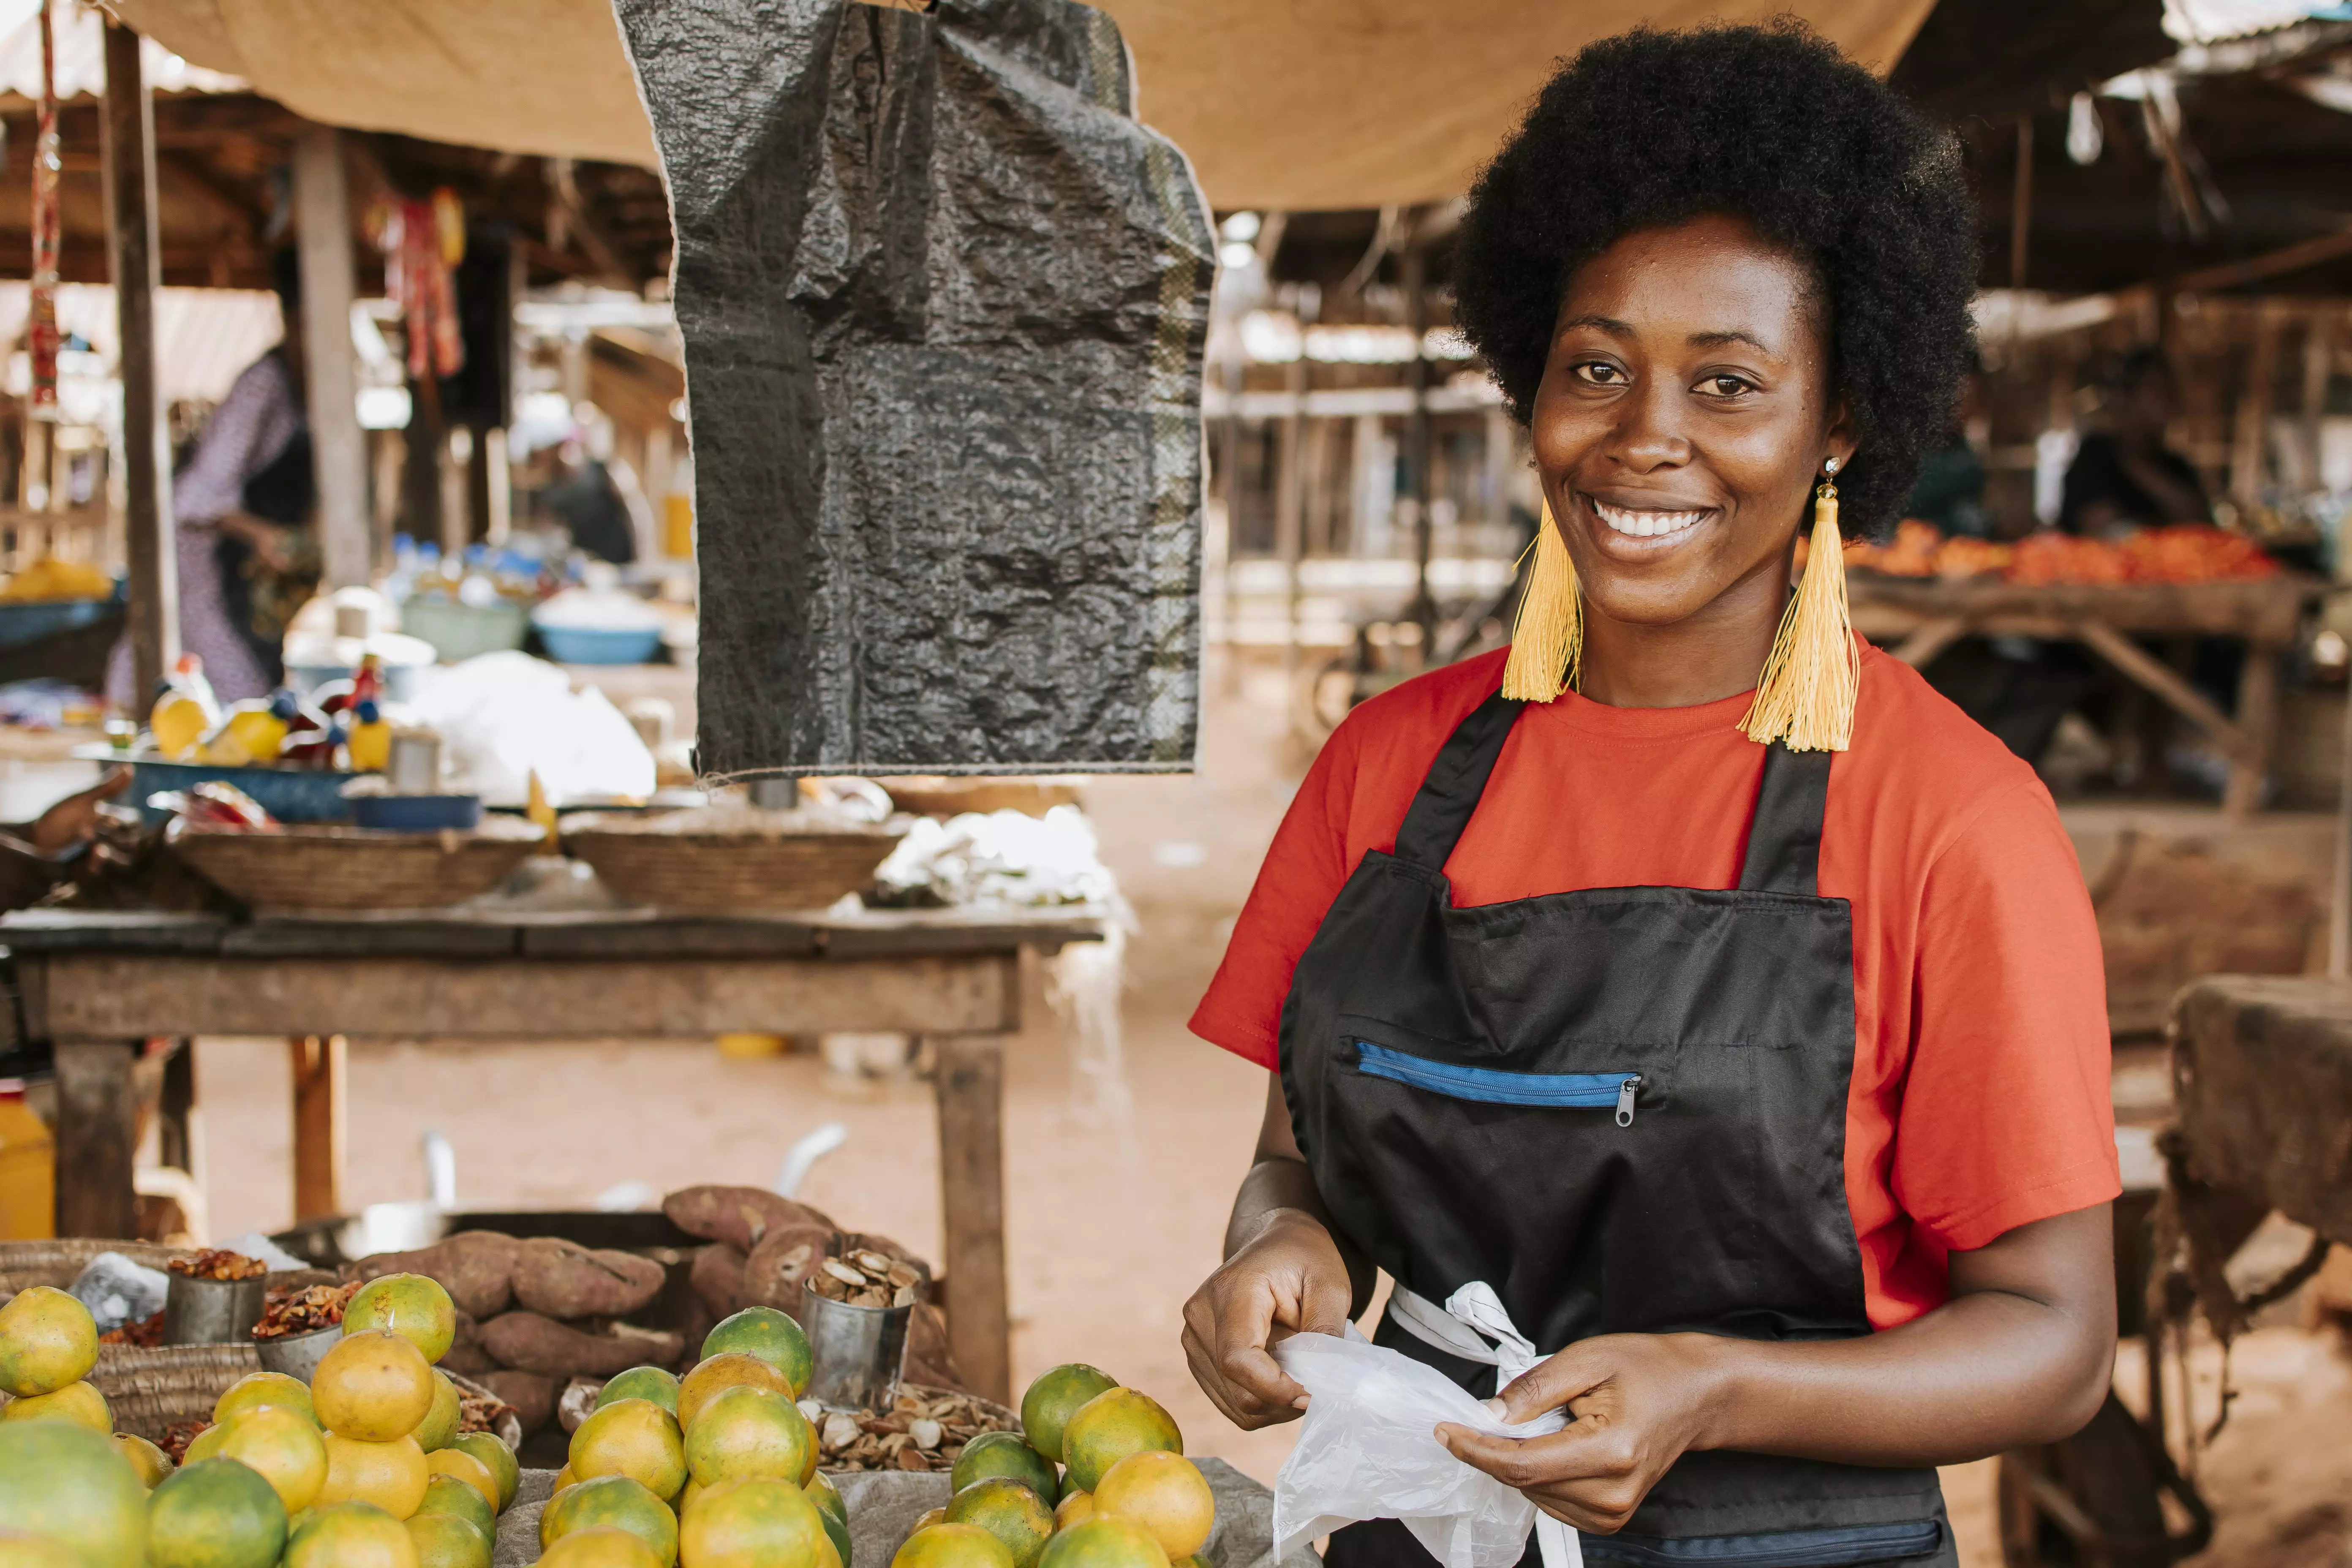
<point x="1288" y="1278"/>
<point x="271" y="545"/>
<point x="1639" y="1402"/>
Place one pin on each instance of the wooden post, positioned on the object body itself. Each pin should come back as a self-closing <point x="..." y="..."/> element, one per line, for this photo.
<point x="1412" y="277"/>
<point x="2258" y="718"/>
<point x="176" y="1112"/>
<point x="322" y="218"/>
<point x="1290" y="506"/>
<point x="2020" y="203"/>
<point x="970" y="1086"/>
<point x="98" y="1110"/>
<point x="127" y="135"/>
<point x="2250" y="451"/>
<point x="317" y="1061"/>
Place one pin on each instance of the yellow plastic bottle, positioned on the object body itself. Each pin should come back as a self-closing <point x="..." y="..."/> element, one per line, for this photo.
<point x="186" y="713"/>
<point x="371" y="739"/>
<point x="28" y="1168"/>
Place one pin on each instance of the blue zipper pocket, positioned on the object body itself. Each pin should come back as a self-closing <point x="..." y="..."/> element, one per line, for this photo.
<point x="1582" y="1091"/>
<point x="1836" y="1547"/>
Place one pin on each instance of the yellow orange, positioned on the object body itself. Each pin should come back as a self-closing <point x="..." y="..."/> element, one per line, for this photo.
<point x="350" y="1535"/>
<point x="410" y="1305"/>
<point x="152" y="1463"/>
<point x="1166" y="1494"/>
<point x="632" y="1438"/>
<point x="392" y="1476"/>
<point x="1075" y="1509"/>
<point x="941" y="1545"/>
<point x="48" y="1341"/>
<point x="1104" y="1542"/>
<point x="720" y="1371"/>
<point x="76" y="1402"/>
<point x="497" y="1458"/>
<point x="461" y="1466"/>
<point x="748" y="1431"/>
<point x="19" y="1549"/>
<point x="255" y="1389"/>
<point x="1108" y="1427"/>
<point x="283" y="1445"/>
<point x="1010" y="1510"/>
<point x="374" y="1386"/>
<point x="755" y="1522"/>
<point x="448" y="1540"/>
<point x="605" y="1547"/>
<point x="619" y="1503"/>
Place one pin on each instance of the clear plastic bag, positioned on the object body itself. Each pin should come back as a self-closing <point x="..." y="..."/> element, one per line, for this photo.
<point x="1368" y="1449"/>
<point x="118" y="1291"/>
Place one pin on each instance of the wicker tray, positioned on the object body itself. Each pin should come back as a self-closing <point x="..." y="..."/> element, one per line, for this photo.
<point x="938" y="797"/>
<point x="58" y="1263"/>
<point x="330" y="868"/>
<point x="725" y="859"/>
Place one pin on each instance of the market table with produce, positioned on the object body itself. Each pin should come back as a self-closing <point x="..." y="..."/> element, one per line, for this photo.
<point x="98" y="984"/>
<point x="1921" y="592"/>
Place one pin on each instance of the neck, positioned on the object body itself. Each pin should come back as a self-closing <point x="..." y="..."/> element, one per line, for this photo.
<point x="1705" y="657"/>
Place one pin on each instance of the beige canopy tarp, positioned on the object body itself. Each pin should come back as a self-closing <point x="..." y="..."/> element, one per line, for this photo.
<point x="1298" y="104"/>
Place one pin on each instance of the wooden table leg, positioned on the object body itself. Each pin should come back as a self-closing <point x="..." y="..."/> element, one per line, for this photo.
<point x="98" y="1110"/>
<point x="318" y="1062"/>
<point x="2258" y="718"/>
<point x="176" y="1145"/>
<point x="970" y="1086"/>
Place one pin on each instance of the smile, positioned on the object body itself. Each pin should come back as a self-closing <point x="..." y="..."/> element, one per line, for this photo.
<point x="1638" y="522"/>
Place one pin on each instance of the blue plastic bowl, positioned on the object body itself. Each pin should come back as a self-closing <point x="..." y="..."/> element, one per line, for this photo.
<point x="31" y="620"/>
<point x="583" y="645"/>
<point x="290" y="794"/>
<point x="417" y="813"/>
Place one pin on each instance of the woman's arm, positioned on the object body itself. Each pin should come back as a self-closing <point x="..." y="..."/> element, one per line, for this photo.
<point x="1284" y="1273"/>
<point x="2021" y="1354"/>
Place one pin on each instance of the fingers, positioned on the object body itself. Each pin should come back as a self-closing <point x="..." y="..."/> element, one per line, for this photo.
<point x="1588" y="1475"/>
<point x="1226" y="1326"/>
<point x="1557" y="1380"/>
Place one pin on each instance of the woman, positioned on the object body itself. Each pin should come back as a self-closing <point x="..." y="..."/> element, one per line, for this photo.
<point x="1763" y="1087"/>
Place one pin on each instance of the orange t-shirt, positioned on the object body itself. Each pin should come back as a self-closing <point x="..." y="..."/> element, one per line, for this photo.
<point x="1979" y="1098"/>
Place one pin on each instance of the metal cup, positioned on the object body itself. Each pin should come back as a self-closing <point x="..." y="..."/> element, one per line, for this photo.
<point x="212" y="1311"/>
<point x="859" y="1351"/>
<point x="298" y="1355"/>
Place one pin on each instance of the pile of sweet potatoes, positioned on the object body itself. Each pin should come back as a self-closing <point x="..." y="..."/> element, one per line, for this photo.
<point x="535" y="1315"/>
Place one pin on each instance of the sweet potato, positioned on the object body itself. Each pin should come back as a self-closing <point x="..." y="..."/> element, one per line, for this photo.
<point x="718" y="1278"/>
<point x="577" y="1401"/>
<point x="565" y="1280"/>
<point x="465" y="1355"/>
<point x="929" y="1363"/>
<point x="533" y="1396"/>
<point x="741" y="1215"/>
<point x="772" y="1274"/>
<point x="476" y="1266"/>
<point x="528" y="1341"/>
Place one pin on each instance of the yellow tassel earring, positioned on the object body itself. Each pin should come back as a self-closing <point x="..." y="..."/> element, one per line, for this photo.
<point x="1548" y="638"/>
<point x="1805" y="698"/>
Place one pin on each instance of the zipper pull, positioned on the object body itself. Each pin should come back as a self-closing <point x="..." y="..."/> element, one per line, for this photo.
<point x="1625" y="1099"/>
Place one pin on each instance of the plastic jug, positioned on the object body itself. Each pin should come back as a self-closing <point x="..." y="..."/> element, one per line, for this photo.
<point x="186" y="710"/>
<point x="28" y="1168"/>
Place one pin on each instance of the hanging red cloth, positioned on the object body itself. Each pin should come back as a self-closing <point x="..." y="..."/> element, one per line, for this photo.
<point x="41" y="324"/>
<point x="422" y="242"/>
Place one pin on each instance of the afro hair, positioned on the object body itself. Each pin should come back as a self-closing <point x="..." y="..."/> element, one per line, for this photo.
<point x="1767" y="124"/>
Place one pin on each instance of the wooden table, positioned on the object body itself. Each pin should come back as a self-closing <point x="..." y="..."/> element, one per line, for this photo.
<point x="1919" y="617"/>
<point x="98" y="984"/>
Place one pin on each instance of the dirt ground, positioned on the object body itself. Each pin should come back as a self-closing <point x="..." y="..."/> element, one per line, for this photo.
<point x="1113" y="1221"/>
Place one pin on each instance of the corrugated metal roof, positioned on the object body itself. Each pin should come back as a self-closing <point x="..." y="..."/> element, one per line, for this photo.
<point x="81" y="55"/>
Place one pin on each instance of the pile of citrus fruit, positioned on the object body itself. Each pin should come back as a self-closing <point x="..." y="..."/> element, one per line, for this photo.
<point x="361" y="1467"/>
<point x="1099" y="1481"/>
<point x="716" y="1469"/>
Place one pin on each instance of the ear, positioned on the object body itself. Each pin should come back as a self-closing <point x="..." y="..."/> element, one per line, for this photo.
<point x="1837" y="441"/>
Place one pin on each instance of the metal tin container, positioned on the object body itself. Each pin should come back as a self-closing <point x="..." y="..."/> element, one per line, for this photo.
<point x="859" y="1351"/>
<point x="298" y="1355"/>
<point x="212" y="1311"/>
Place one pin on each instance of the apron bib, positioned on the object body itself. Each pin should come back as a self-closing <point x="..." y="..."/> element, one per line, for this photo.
<point x="1624" y="1110"/>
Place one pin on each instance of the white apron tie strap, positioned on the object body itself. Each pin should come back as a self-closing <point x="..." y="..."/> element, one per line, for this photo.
<point x="1472" y="1316"/>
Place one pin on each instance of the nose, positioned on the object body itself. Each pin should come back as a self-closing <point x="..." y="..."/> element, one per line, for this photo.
<point x="1649" y="434"/>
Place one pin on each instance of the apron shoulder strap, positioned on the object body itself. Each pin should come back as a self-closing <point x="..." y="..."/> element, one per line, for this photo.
<point x="1784" y="843"/>
<point x="1442" y="810"/>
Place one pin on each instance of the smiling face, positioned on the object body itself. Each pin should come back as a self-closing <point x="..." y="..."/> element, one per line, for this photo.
<point x="1683" y="418"/>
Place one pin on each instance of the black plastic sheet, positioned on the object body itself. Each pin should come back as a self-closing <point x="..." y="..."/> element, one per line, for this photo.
<point x="944" y="303"/>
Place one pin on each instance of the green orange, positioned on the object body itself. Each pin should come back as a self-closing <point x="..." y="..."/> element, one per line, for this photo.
<point x="746" y="1431"/>
<point x="410" y="1305"/>
<point x="1104" y="1542"/>
<point x="20" y="1549"/>
<point x="603" y="1547"/>
<point x="1009" y="1510"/>
<point x="73" y="1486"/>
<point x="255" y="1389"/>
<point x="1004" y="1454"/>
<point x="837" y="1532"/>
<point x="657" y="1384"/>
<point x="1112" y="1426"/>
<point x="773" y="1336"/>
<point x="215" y="1513"/>
<point x="756" y="1522"/>
<point x="726" y="1370"/>
<point x="1054" y="1398"/>
<point x="439" y="1427"/>
<point x="350" y="1535"/>
<point x="633" y="1437"/>
<point x="459" y="1466"/>
<point x="947" y="1545"/>
<point x="447" y="1494"/>
<point x="48" y="1340"/>
<point x="616" y="1502"/>
<point x="497" y="1458"/>
<point x="283" y="1448"/>
<point x="448" y="1540"/>
<point x="827" y="1496"/>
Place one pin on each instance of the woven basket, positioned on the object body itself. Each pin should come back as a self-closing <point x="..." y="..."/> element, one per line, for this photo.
<point x="58" y="1264"/>
<point x="330" y="867"/>
<point x="742" y="860"/>
<point x="937" y="797"/>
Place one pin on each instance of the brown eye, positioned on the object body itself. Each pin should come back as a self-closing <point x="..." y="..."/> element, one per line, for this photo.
<point x="1600" y="373"/>
<point x="1726" y="386"/>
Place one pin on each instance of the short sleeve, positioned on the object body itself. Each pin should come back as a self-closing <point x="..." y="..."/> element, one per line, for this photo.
<point x="2006" y="1115"/>
<point x="1304" y="869"/>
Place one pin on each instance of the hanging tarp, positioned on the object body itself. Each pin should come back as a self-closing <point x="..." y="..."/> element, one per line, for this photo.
<point x="944" y="302"/>
<point x="1279" y="103"/>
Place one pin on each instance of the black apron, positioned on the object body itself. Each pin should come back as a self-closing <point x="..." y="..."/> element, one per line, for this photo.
<point x="260" y="601"/>
<point x="1623" y="1107"/>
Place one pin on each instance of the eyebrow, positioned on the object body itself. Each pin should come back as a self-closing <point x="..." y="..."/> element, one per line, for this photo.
<point x="1617" y="329"/>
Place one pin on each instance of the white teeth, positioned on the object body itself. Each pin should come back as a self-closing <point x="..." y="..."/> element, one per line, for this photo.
<point x="1645" y="524"/>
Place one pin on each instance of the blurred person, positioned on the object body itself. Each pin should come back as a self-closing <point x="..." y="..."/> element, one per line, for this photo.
<point x="241" y="508"/>
<point x="2124" y="475"/>
<point x="1949" y="490"/>
<point x="589" y="499"/>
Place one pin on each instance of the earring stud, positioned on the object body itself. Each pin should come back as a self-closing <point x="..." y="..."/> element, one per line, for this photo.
<point x="1830" y="466"/>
